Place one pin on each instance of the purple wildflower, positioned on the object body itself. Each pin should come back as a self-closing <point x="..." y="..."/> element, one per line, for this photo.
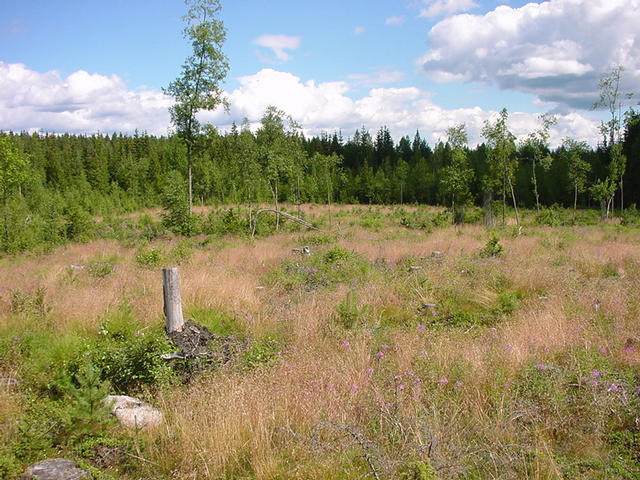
<point x="379" y="355"/>
<point x="595" y="373"/>
<point x="458" y="383"/>
<point x="421" y="328"/>
<point x="613" y="388"/>
<point x="443" y="381"/>
<point x="345" y="343"/>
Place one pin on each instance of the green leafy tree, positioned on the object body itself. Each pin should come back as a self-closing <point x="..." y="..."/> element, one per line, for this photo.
<point x="14" y="166"/>
<point x="457" y="176"/>
<point x="578" y="168"/>
<point x="280" y="151"/>
<point x="613" y="100"/>
<point x="198" y="85"/>
<point x="538" y="144"/>
<point x="502" y="148"/>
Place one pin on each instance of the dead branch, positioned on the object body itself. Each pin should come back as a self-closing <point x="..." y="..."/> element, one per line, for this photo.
<point x="278" y="213"/>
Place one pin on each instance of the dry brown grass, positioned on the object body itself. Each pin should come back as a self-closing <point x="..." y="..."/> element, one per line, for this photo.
<point x="456" y="383"/>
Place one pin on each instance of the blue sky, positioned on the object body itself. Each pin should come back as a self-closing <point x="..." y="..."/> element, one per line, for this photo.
<point x="87" y="66"/>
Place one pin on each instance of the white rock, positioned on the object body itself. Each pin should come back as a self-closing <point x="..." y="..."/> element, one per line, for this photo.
<point x="132" y="412"/>
<point x="55" y="469"/>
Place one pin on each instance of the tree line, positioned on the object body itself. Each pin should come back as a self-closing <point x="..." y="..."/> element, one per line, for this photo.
<point x="55" y="181"/>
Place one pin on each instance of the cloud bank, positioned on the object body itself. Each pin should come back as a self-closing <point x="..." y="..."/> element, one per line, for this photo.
<point x="89" y="103"/>
<point x="556" y="50"/>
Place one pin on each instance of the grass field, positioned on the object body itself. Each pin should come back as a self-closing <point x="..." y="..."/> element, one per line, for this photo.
<point x="401" y="348"/>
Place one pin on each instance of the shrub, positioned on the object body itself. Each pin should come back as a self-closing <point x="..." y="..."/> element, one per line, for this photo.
<point x="492" y="248"/>
<point x="149" y="258"/>
<point x="348" y="311"/>
<point x="99" y="269"/>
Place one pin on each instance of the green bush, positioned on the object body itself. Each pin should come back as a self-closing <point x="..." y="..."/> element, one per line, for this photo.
<point x="149" y="258"/>
<point x="492" y="248"/>
<point x="99" y="268"/>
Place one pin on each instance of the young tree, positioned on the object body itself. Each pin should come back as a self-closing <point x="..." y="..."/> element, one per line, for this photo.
<point x="13" y="171"/>
<point x="457" y="176"/>
<point x="538" y="144"/>
<point x="577" y="167"/>
<point x="502" y="148"/>
<point x="198" y="86"/>
<point x="329" y="165"/>
<point x="280" y="150"/>
<point x="612" y="99"/>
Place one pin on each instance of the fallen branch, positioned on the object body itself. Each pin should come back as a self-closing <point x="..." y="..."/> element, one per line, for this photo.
<point x="278" y="213"/>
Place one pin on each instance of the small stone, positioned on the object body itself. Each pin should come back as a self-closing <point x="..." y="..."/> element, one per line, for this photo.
<point x="133" y="413"/>
<point x="55" y="469"/>
<point x="9" y="381"/>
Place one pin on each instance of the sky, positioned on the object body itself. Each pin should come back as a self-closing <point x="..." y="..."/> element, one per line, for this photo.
<point x="99" y="67"/>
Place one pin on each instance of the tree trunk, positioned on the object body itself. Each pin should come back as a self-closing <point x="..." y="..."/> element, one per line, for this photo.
<point x="275" y="198"/>
<point x="515" y="206"/>
<point x="504" y="198"/>
<point x="575" y="200"/>
<point x="189" y="179"/>
<point x="488" y="208"/>
<point x="621" y="197"/>
<point x="535" y="186"/>
<point x="172" y="300"/>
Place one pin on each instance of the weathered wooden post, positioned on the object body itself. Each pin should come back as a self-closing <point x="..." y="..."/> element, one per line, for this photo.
<point x="172" y="301"/>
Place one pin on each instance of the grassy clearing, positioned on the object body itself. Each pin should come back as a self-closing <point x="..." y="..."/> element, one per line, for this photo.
<point x="400" y="348"/>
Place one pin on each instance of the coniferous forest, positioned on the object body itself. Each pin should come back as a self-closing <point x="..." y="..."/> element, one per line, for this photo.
<point x="64" y="181"/>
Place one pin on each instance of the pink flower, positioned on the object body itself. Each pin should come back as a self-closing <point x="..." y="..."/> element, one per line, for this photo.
<point x="369" y="371"/>
<point x="458" y="383"/>
<point x="421" y="328"/>
<point x="540" y="366"/>
<point x="384" y="346"/>
<point x="400" y="387"/>
<point x="379" y="355"/>
<point x="443" y="381"/>
<point x="613" y="388"/>
<point x="595" y="373"/>
<point x="345" y="343"/>
<point x="628" y="350"/>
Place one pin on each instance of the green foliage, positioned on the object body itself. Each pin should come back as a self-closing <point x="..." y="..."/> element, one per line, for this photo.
<point x="349" y="314"/>
<point x="336" y="265"/>
<point x="151" y="258"/>
<point x="99" y="268"/>
<point x="87" y="394"/>
<point x="226" y="222"/>
<point x="127" y="355"/>
<point x="33" y="303"/>
<point x="419" y="470"/>
<point x="177" y="216"/>
<point x="492" y="249"/>
<point x="260" y="352"/>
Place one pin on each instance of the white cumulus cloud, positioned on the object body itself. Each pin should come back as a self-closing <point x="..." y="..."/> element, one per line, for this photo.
<point x="436" y="8"/>
<point x="327" y="107"/>
<point x="278" y="45"/>
<point x="80" y="103"/>
<point x="556" y="50"/>
<point x="89" y="103"/>
<point x="397" y="20"/>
